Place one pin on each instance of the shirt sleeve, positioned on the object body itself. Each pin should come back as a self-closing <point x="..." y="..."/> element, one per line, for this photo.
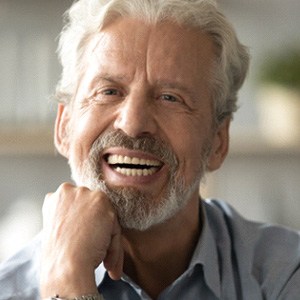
<point x="19" y="275"/>
<point x="291" y="290"/>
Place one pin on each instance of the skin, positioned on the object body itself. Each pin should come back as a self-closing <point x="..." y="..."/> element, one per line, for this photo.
<point x="142" y="80"/>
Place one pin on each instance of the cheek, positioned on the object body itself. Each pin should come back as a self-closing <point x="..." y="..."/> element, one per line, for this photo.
<point x="86" y="127"/>
<point x="189" y="150"/>
<point x="189" y="142"/>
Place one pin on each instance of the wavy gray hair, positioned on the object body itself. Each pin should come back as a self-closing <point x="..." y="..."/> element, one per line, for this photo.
<point x="87" y="17"/>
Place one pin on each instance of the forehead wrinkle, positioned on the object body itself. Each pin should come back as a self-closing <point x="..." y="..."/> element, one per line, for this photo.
<point x="115" y="47"/>
<point x="148" y="55"/>
<point x="142" y="60"/>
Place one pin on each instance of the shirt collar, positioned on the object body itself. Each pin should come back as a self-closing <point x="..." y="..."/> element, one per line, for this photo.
<point x="205" y="254"/>
<point x="100" y="274"/>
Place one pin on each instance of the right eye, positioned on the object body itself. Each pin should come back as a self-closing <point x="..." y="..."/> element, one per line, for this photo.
<point x="104" y="95"/>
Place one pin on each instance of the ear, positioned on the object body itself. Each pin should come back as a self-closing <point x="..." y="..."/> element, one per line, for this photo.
<point x="62" y="134"/>
<point x="220" y="145"/>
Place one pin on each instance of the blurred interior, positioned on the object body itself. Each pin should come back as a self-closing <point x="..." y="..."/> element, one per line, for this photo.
<point x="260" y="178"/>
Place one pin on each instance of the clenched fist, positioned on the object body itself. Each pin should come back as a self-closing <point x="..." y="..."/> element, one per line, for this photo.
<point x="80" y="231"/>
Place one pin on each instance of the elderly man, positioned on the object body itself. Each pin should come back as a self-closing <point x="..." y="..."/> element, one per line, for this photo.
<point x="146" y="98"/>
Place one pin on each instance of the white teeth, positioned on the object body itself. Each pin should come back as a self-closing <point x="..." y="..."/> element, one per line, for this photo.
<point x="119" y="159"/>
<point x="136" y="172"/>
<point x="152" y="165"/>
<point x="127" y="160"/>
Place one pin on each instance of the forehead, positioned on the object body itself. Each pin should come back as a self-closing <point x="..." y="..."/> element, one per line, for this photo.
<point x="164" y="50"/>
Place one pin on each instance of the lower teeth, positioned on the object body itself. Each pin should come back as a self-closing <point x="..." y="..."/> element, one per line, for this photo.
<point x="136" y="172"/>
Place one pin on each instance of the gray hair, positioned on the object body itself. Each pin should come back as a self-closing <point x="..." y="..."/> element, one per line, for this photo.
<point x="87" y="17"/>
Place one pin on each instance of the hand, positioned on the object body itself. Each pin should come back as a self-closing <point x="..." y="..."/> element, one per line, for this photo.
<point x="80" y="230"/>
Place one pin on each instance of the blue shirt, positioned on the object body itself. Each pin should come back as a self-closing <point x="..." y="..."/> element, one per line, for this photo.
<point x="234" y="259"/>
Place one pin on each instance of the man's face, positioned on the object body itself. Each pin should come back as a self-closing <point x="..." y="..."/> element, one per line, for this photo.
<point x="141" y="124"/>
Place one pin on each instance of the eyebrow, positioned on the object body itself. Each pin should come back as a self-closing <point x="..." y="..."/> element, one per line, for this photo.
<point x="177" y="86"/>
<point x="172" y="85"/>
<point x="158" y="83"/>
<point x="107" y="77"/>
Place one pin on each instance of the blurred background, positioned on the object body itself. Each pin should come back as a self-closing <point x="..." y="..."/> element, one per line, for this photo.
<point x="260" y="178"/>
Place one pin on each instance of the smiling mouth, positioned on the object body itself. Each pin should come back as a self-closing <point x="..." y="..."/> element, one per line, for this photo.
<point x="133" y="166"/>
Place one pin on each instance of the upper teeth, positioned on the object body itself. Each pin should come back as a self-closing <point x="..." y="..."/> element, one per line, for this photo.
<point x="119" y="159"/>
<point x="148" y="166"/>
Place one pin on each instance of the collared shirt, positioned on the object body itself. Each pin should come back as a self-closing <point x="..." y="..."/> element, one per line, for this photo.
<point x="234" y="259"/>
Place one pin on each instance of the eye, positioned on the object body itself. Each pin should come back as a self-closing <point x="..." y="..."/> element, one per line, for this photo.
<point x="169" y="98"/>
<point x="107" y="95"/>
<point x="110" y="92"/>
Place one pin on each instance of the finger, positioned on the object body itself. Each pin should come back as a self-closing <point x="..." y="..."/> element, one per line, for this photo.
<point x="116" y="272"/>
<point x="113" y="261"/>
<point x="46" y="204"/>
<point x="48" y="209"/>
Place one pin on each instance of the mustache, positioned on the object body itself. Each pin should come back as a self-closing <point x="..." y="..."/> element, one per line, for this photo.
<point x="148" y="144"/>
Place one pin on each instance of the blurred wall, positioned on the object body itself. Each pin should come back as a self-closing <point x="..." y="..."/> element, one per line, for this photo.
<point x="29" y="70"/>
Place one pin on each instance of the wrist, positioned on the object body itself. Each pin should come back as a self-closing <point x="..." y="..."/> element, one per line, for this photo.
<point x="67" y="281"/>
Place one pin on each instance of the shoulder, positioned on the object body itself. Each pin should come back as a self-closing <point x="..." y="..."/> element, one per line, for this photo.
<point x="267" y="240"/>
<point x="19" y="274"/>
<point x="268" y="253"/>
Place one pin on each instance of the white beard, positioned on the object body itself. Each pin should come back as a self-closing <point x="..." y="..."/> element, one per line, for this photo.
<point x="135" y="209"/>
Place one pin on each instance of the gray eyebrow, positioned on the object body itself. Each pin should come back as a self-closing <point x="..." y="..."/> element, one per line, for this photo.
<point x="158" y="83"/>
<point x="175" y="85"/>
<point x="107" y="77"/>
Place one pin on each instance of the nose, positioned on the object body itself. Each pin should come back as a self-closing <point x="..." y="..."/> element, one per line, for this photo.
<point x="136" y="116"/>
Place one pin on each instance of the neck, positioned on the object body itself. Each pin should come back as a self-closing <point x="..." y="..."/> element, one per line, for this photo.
<point x="157" y="257"/>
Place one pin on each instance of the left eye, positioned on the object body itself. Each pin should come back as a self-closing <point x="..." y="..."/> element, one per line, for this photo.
<point x="110" y="92"/>
<point x="170" y="98"/>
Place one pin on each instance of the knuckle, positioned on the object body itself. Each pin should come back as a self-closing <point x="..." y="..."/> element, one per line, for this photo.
<point x="82" y="194"/>
<point x="82" y="190"/>
<point x="65" y="190"/>
<point x="65" y="187"/>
